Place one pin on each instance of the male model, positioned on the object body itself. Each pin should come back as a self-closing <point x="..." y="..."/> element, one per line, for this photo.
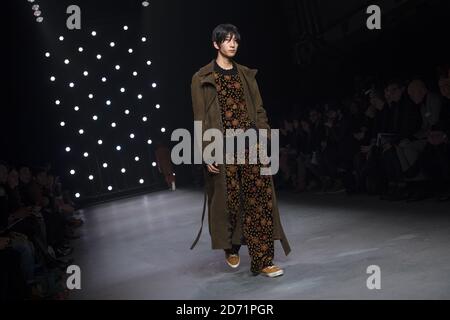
<point x="242" y="207"/>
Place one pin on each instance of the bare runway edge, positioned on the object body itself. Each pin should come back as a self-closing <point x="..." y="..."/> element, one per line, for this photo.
<point x="138" y="248"/>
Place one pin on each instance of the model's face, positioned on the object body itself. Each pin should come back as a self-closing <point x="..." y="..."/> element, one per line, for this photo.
<point x="229" y="47"/>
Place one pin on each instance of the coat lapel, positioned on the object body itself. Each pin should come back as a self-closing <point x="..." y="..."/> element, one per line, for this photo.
<point x="207" y="76"/>
<point x="246" y="74"/>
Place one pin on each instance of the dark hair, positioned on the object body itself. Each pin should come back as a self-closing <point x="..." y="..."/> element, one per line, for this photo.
<point x="221" y="32"/>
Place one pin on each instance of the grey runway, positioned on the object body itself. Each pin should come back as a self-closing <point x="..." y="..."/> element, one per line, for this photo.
<point x="138" y="248"/>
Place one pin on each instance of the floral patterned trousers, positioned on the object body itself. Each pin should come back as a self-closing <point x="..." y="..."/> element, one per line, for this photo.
<point x="249" y="197"/>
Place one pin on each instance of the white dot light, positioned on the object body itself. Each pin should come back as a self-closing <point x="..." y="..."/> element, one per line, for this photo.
<point x="94" y="117"/>
<point x="122" y="90"/>
<point x="99" y="56"/>
<point x="123" y="170"/>
<point x="71" y="84"/>
<point x="109" y="188"/>
<point x="139" y="96"/>
<point x="125" y="28"/>
<point x="136" y="158"/>
<point x="76" y="108"/>
<point x="108" y="102"/>
<point x="143" y="39"/>
<point x="157" y="106"/>
<point x="141" y="181"/>
<point x="57" y="102"/>
<point x="104" y="79"/>
<point x="127" y="111"/>
<point x="93" y="33"/>
<point x="130" y="50"/>
<point x="81" y="131"/>
<point x="144" y="119"/>
<point x="52" y="78"/>
<point x="61" y="38"/>
<point x="163" y="129"/>
<point x="62" y="123"/>
<point x="67" y="149"/>
<point x="77" y="195"/>
<point x="85" y="73"/>
<point x="132" y="135"/>
<point x="80" y="49"/>
<point x="135" y="73"/>
<point x="86" y="154"/>
<point x="149" y="141"/>
<point x="100" y="142"/>
<point x="154" y="85"/>
<point x="117" y="67"/>
<point x="90" y="96"/>
<point x="47" y="54"/>
<point x="112" y="44"/>
<point x="154" y="164"/>
<point x="149" y="62"/>
<point x="113" y="124"/>
<point x="72" y="172"/>
<point x="118" y="148"/>
<point x="105" y="165"/>
<point x="66" y="61"/>
<point x="91" y="177"/>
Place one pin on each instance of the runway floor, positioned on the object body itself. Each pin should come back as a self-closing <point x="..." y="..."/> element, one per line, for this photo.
<point x="138" y="248"/>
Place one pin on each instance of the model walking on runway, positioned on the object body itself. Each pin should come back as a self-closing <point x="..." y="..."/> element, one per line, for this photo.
<point x="242" y="206"/>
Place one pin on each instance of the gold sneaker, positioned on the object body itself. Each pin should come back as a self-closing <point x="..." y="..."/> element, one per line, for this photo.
<point x="272" y="271"/>
<point x="233" y="260"/>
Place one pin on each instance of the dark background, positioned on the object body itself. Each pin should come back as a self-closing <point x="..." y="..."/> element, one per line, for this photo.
<point x="414" y="40"/>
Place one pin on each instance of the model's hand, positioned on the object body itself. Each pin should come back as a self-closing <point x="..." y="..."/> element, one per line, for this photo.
<point x="213" y="168"/>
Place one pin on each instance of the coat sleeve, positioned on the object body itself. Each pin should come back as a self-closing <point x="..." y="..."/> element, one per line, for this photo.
<point x="198" y="107"/>
<point x="262" y="122"/>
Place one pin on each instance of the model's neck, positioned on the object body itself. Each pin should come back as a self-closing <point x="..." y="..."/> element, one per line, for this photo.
<point x="224" y="62"/>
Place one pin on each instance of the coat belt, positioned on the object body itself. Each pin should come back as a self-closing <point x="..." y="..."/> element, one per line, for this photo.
<point x="201" y="226"/>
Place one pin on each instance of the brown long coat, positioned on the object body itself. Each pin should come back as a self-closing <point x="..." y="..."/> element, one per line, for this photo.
<point x="206" y="108"/>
